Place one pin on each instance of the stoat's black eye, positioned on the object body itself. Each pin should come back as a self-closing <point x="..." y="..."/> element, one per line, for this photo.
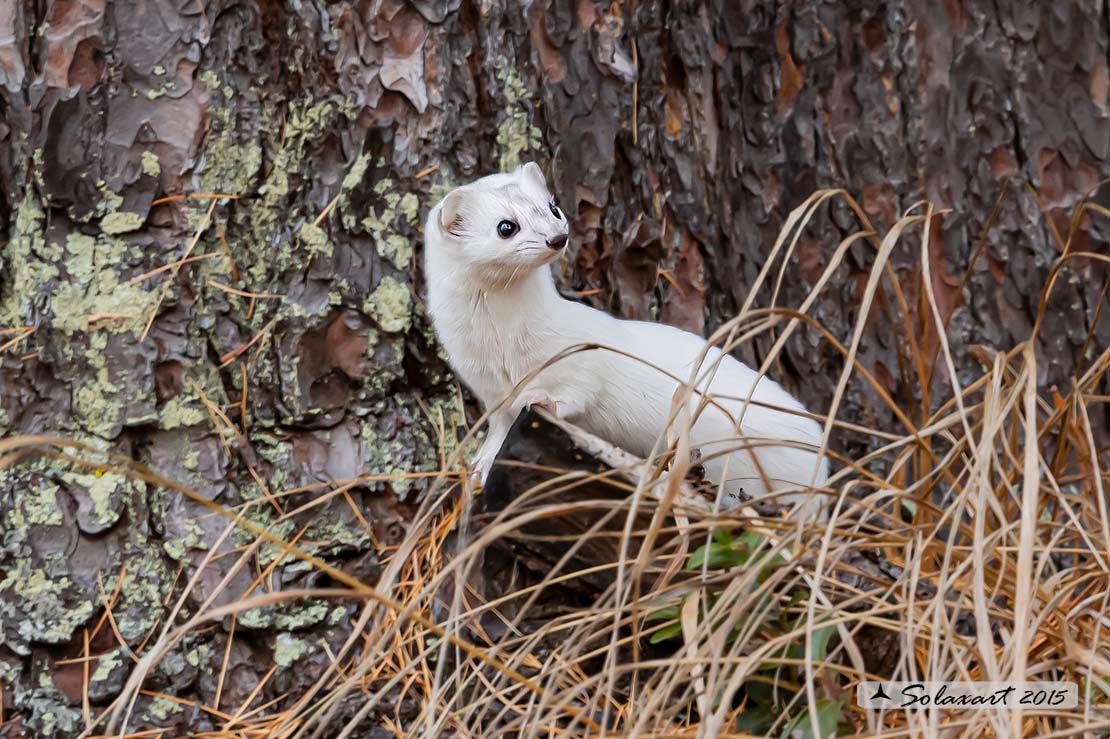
<point x="555" y="211"/>
<point x="506" y="229"/>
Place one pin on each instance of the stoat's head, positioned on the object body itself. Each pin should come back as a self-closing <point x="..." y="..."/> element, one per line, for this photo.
<point x="503" y="224"/>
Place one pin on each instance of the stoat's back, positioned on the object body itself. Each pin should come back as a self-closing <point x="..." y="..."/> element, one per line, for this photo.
<point x="634" y="405"/>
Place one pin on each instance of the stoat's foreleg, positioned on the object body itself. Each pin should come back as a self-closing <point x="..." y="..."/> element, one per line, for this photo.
<point x="499" y="424"/>
<point x="502" y="421"/>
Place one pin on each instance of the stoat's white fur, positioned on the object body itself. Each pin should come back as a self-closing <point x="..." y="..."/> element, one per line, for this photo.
<point x="496" y="311"/>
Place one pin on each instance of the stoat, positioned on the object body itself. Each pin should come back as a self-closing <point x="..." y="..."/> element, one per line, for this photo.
<point x="495" y="309"/>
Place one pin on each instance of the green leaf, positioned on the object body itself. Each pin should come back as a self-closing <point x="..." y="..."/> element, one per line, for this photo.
<point x="667" y="632"/>
<point x="755" y="720"/>
<point x="664" y="614"/>
<point x="726" y="552"/>
<point x="828" y="715"/>
<point x="752" y="540"/>
<point x="761" y="692"/>
<point x="715" y="556"/>
<point x="819" y="649"/>
<point x="697" y="559"/>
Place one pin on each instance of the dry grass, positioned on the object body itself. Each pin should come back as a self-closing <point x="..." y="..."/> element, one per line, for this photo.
<point x="974" y="539"/>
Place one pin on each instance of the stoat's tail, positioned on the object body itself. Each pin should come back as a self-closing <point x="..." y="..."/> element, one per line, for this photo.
<point x="776" y="455"/>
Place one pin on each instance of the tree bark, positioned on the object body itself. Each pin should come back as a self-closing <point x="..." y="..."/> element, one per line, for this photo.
<point x="678" y="137"/>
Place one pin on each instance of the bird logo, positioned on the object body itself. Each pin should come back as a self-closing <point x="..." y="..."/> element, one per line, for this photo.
<point x="880" y="693"/>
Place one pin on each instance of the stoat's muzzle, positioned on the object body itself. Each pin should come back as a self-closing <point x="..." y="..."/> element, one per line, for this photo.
<point x="557" y="242"/>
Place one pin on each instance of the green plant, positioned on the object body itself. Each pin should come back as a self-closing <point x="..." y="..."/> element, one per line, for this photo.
<point x="773" y="688"/>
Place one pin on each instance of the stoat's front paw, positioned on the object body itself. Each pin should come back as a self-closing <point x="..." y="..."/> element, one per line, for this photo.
<point x="482" y="464"/>
<point x="535" y="398"/>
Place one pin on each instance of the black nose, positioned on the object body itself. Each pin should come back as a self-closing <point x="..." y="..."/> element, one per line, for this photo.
<point x="557" y="242"/>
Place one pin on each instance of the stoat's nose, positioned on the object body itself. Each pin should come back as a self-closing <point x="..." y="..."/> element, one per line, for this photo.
<point x="557" y="242"/>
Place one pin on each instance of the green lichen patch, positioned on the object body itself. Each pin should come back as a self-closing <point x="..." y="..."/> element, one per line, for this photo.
<point x="182" y="411"/>
<point x="106" y="665"/>
<point x="100" y="497"/>
<point x="110" y="201"/>
<point x="288" y="649"/>
<point x="120" y="222"/>
<point x="397" y="249"/>
<point x="290" y="616"/>
<point x="337" y="533"/>
<point x="95" y="297"/>
<point x="48" y="607"/>
<point x="389" y="224"/>
<point x="162" y="708"/>
<point x="230" y="166"/>
<point x="143" y="593"/>
<point x="199" y="655"/>
<point x="101" y="488"/>
<point x="302" y="616"/>
<point x="48" y="713"/>
<point x="390" y="305"/>
<point x="515" y="135"/>
<point x="81" y="257"/>
<point x="152" y="167"/>
<point x="357" y="172"/>
<point x="106" y="305"/>
<point x="111" y="672"/>
<point x="280" y="457"/>
<point x="178" y="547"/>
<point x="37" y="505"/>
<point x="231" y="163"/>
<point x="30" y="263"/>
<point x="393" y="450"/>
<point x="263" y="516"/>
<point x="261" y="224"/>
<point x="316" y="239"/>
<point x="97" y="403"/>
<point x="410" y="208"/>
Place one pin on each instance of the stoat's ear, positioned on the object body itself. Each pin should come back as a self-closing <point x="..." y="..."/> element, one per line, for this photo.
<point x="532" y="171"/>
<point x="450" y="212"/>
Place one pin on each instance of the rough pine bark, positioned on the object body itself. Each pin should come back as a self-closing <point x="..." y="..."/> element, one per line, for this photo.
<point x="678" y="135"/>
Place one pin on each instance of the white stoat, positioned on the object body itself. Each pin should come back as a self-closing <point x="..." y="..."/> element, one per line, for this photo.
<point x="496" y="311"/>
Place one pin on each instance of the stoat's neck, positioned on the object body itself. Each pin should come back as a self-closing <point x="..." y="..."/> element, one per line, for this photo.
<point x="478" y="301"/>
<point x="528" y="297"/>
<point x="532" y="289"/>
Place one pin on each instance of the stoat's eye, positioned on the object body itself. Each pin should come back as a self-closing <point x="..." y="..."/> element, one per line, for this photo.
<point x="555" y="211"/>
<point x="506" y="229"/>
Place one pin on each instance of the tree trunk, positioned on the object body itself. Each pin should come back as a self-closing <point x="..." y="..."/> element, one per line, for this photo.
<point x="292" y="349"/>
